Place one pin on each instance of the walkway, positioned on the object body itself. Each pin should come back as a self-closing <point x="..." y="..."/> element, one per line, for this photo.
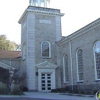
<point x="56" y="96"/>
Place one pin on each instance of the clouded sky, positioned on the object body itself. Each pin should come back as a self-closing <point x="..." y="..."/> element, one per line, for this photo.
<point x="78" y="13"/>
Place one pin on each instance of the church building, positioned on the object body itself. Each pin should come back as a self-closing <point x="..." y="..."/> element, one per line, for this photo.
<point x="51" y="60"/>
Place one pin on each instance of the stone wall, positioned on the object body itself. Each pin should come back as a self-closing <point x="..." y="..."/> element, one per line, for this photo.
<point x="84" y="41"/>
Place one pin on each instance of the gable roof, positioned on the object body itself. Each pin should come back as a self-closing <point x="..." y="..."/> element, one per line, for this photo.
<point x="79" y="32"/>
<point x="9" y="54"/>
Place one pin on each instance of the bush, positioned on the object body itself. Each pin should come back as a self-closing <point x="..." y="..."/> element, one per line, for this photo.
<point x="23" y="88"/>
<point x="61" y="90"/>
<point x="3" y="89"/>
<point x="16" y="90"/>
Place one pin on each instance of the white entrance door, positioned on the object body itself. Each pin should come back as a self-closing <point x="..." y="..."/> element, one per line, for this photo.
<point x="46" y="81"/>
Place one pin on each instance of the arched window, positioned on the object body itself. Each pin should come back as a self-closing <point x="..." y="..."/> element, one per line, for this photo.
<point x="45" y="49"/>
<point x="79" y="59"/>
<point x="97" y="60"/>
<point x="65" y="68"/>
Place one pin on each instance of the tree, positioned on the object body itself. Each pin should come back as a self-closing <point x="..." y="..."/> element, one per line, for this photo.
<point x="6" y="44"/>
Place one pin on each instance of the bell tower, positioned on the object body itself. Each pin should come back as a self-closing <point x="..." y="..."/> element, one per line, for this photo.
<point x="39" y="3"/>
<point x="40" y="29"/>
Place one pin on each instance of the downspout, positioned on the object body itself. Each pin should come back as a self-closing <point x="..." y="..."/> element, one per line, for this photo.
<point x="70" y="47"/>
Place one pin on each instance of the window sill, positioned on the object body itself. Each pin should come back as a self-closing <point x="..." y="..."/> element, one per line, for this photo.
<point x="46" y="57"/>
<point x="80" y="81"/>
<point x="66" y="82"/>
<point x="97" y="80"/>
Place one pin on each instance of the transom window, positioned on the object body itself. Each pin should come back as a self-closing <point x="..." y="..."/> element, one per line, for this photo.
<point x="79" y="65"/>
<point x="45" y="49"/>
<point x="65" y="68"/>
<point x="97" y="59"/>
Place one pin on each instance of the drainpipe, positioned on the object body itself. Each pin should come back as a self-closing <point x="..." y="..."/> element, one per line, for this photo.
<point x="70" y="47"/>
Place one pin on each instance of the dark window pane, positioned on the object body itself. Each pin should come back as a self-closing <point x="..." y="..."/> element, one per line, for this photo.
<point x="49" y="88"/>
<point x="43" y="84"/>
<point x="66" y="68"/>
<point x="43" y="88"/>
<point x="45" y="49"/>
<point x="43" y="74"/>
<point x="80" y="64"/>
<point x="43" y="81"/>
<point x="49" y="81"/>
<point x="49" y="84"/>
<point x="97" y="56"/>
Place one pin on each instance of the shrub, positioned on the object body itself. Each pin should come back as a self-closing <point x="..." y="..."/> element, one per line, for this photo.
<point x="3" y="89"/>
<point x="16" y="90"/>
<point x="23" y="88"/>
<point x="61" y="90"/>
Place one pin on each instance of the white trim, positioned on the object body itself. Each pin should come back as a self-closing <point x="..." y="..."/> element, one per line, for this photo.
<point x="49" y="49"/>
<point x="95" y="72"/>
<point x="30" y="61"/>
<point x="39" y="2"/>
<point x="39" y="12"/>
<point x="70" y="47"/>
<point x="46" y="65"/>
<point x="80" y="81"/>
<point x="45" y="12"/>
<point x="53" y="82"/>
<point x="45" y="3"/>
<point x="77" y="66"/>
<point x="95" y="69"/>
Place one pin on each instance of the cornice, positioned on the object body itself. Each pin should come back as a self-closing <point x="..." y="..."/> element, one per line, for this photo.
<point x="81" y="31"/>
<point x="39" y="12"/>
<point x="46" y="12"/>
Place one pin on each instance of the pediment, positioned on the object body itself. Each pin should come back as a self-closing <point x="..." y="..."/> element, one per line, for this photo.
<point x="46" y="65"/>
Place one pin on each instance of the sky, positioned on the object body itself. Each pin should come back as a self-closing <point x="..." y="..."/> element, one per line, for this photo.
<point x="78" y="13"/>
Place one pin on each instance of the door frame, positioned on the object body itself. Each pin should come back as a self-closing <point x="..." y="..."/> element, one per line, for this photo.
<point x="53" y="82"/>
<point x="45" y="79"/>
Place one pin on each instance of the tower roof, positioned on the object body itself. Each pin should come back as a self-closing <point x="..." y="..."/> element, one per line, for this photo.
<point x="39" y="3"/>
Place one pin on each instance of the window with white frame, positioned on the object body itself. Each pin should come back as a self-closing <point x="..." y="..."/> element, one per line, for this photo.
<point x="45" y="49"/>
<point x="65" y="68"/>
<point x="97" y="59"/>
<point x="80" y="65"/>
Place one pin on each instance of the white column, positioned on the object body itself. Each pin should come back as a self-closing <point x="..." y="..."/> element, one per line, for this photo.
<point x="70" y="47"/>
<point x="45" y="3"/>
<point x="39" y="2"/>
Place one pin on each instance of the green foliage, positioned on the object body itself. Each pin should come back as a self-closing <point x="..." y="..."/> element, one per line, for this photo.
<point x="3" y="89"/>
<point x="4" y="75"/>
<point x="6" y="44"/>
<point x="17" y="77"/>
<point x="16" y="90"/>
<point x="61" y="90"/>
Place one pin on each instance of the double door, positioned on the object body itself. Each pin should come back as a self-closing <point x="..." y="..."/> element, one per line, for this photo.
<point x="46" y="81"/>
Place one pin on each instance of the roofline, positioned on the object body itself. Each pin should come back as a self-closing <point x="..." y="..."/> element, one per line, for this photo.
<point x="39" y="12"/>
<point x="81" y="31"/>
